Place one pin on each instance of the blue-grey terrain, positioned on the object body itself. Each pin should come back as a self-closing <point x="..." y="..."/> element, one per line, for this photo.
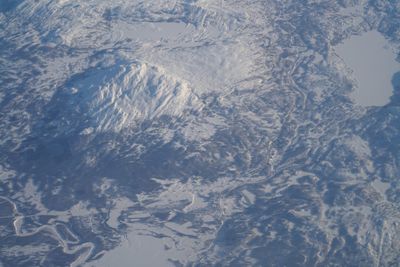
<point x="199" y="133"/>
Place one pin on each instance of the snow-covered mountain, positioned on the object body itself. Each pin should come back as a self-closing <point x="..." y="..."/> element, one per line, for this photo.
<point x="122" y="96"/>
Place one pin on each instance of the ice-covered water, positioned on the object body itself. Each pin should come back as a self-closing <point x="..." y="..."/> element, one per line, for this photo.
<point x="373" y="64"/>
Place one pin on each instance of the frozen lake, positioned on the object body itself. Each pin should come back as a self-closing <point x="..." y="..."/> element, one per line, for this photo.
<point x="372" y="60"/>
<point x="138" y="250"/>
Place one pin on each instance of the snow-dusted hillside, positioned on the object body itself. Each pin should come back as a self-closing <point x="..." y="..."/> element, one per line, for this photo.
<point x="122" y="96"/>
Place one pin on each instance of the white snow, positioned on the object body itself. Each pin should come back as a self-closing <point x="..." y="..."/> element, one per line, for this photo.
<point x="372" y="60"/>
<point x="128" y="94"/>
<point x="141" y="248"/>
